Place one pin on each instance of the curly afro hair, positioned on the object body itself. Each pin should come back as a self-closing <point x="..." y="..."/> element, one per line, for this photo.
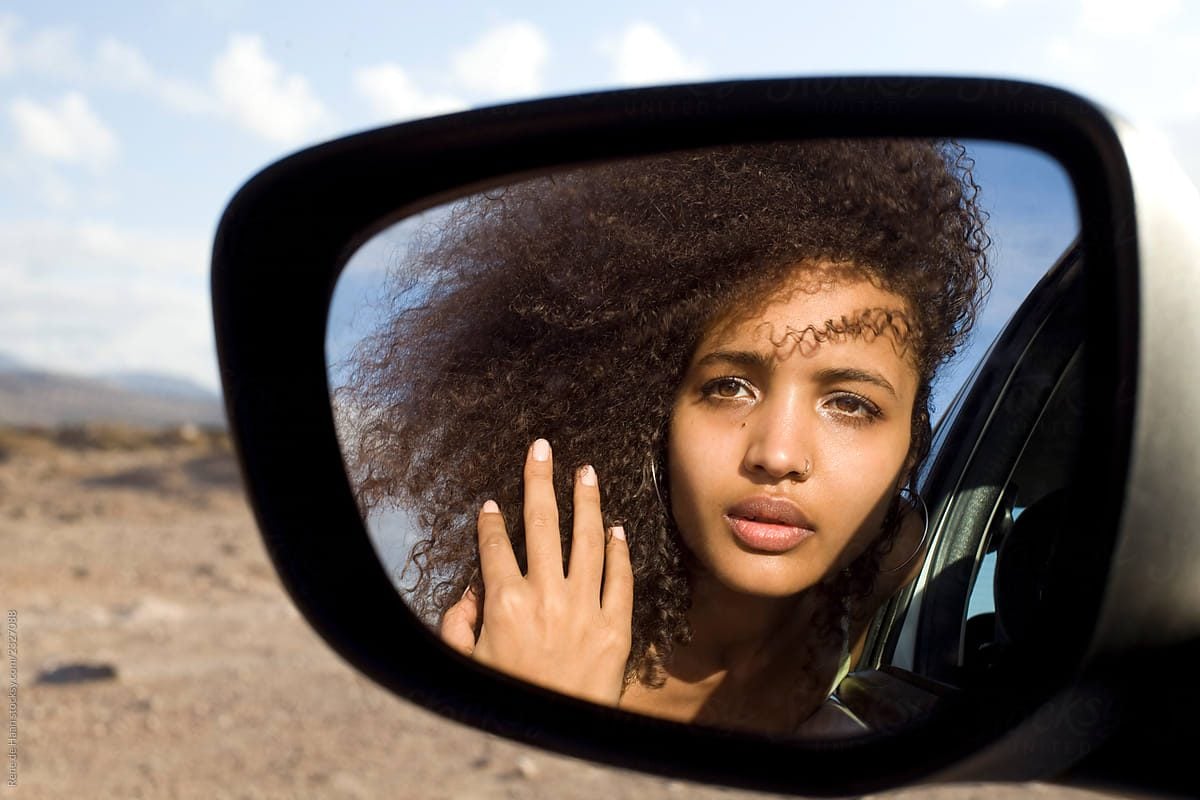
<point x="569" y="306"/>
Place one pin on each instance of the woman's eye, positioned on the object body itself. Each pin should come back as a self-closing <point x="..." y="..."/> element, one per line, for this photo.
<point x="853" y="405"/>
<point x="727" y="389"/>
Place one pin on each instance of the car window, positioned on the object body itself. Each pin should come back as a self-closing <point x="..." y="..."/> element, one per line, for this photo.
<point x="1006" y="444"/>
<point x="998" y="611"/>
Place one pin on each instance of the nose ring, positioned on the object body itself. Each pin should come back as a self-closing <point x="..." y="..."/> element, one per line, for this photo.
<point x="807" y="470"/>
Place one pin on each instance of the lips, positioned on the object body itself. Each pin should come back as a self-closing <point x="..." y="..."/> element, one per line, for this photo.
<point x="769" y="524"/>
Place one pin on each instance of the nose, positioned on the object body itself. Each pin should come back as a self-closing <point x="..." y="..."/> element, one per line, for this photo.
<point x="778" y="441"/>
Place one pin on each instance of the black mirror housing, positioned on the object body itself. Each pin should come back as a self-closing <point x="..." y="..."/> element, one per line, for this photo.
<point x="288" y="232"/>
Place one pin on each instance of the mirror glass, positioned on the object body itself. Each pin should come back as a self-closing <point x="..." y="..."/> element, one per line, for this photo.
<point x="680" y="404"/>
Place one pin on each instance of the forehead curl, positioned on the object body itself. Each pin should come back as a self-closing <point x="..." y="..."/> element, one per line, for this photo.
<point x="866" y="325"/>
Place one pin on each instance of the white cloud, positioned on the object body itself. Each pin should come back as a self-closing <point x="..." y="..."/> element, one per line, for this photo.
<point x="254" y="90"/>
<point x="122" y="63"/>
<point x="67" y="131"/>
<point x="643" y="55"/>
<point x="123" y="66"/>
<point x="90" y="296"/>
<point x="56" y="191"/>
<point x="56" y="186"/>
<point x="8" y="24"/>
<point x="507" y="60"/>
<point x="43" y="247"/>
<point x="1071" y="53"/>
<point x="142" y="252"/>
<point x="246" y="85"/>
<point x="51" y="51"/>
<point x="56" y="53"/>
<point x="1111" y="57"/>
<point x="1123" y="19"/>
<point x="394" y="96"/>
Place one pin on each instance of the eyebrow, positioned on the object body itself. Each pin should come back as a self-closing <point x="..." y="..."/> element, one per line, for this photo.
<point x="745" y="358"/>
<point x="752" y="358"/>
<point x="855" y="375"/>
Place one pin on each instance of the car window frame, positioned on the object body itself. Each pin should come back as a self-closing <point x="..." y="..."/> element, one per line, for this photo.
<point x="900" y="632"/>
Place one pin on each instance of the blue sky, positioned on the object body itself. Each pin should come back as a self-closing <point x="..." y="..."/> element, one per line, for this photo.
<point x="125" y="128"/>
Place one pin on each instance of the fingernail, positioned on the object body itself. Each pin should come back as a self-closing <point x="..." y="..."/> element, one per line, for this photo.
<point x="618" y="532"/>
<point x="587" y="475"/>
<point x="490" y="507"/>
<point x="541" y="450"/>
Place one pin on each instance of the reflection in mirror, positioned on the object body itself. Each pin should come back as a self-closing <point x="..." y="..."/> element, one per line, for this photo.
<point x="646" y="433"/>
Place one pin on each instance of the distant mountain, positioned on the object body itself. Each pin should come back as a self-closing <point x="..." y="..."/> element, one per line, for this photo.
<point x="32" y="397"/>
<point x="158" y="385"/>
<point x="10" y="364"/>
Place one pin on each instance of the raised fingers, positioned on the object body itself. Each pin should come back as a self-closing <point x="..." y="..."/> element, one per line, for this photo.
<point x="496" y="560"/>
<point x="617" y="596"/>
<point x="543" y="547"/>
<point x="587" y="546"/>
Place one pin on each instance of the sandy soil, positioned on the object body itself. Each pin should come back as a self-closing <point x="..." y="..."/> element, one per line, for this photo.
<point x="140" y="561"/>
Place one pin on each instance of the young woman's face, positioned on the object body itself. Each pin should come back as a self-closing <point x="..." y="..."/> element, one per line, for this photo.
<point x="783" y="453"/>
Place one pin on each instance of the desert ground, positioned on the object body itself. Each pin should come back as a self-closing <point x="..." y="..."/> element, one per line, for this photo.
<point x="158" y="655"/>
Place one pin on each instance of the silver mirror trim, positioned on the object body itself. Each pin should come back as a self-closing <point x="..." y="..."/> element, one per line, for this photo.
<point x="1153" y="590"/>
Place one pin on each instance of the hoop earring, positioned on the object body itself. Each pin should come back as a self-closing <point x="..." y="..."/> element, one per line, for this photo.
<point x="924" y="533"/>
<point x="654" y="480"/>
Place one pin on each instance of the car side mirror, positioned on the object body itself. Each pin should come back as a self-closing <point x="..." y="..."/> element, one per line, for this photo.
<point x="1131" y="268"/>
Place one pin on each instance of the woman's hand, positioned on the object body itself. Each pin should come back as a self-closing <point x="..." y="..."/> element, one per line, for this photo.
<point x="567" y="633"/>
